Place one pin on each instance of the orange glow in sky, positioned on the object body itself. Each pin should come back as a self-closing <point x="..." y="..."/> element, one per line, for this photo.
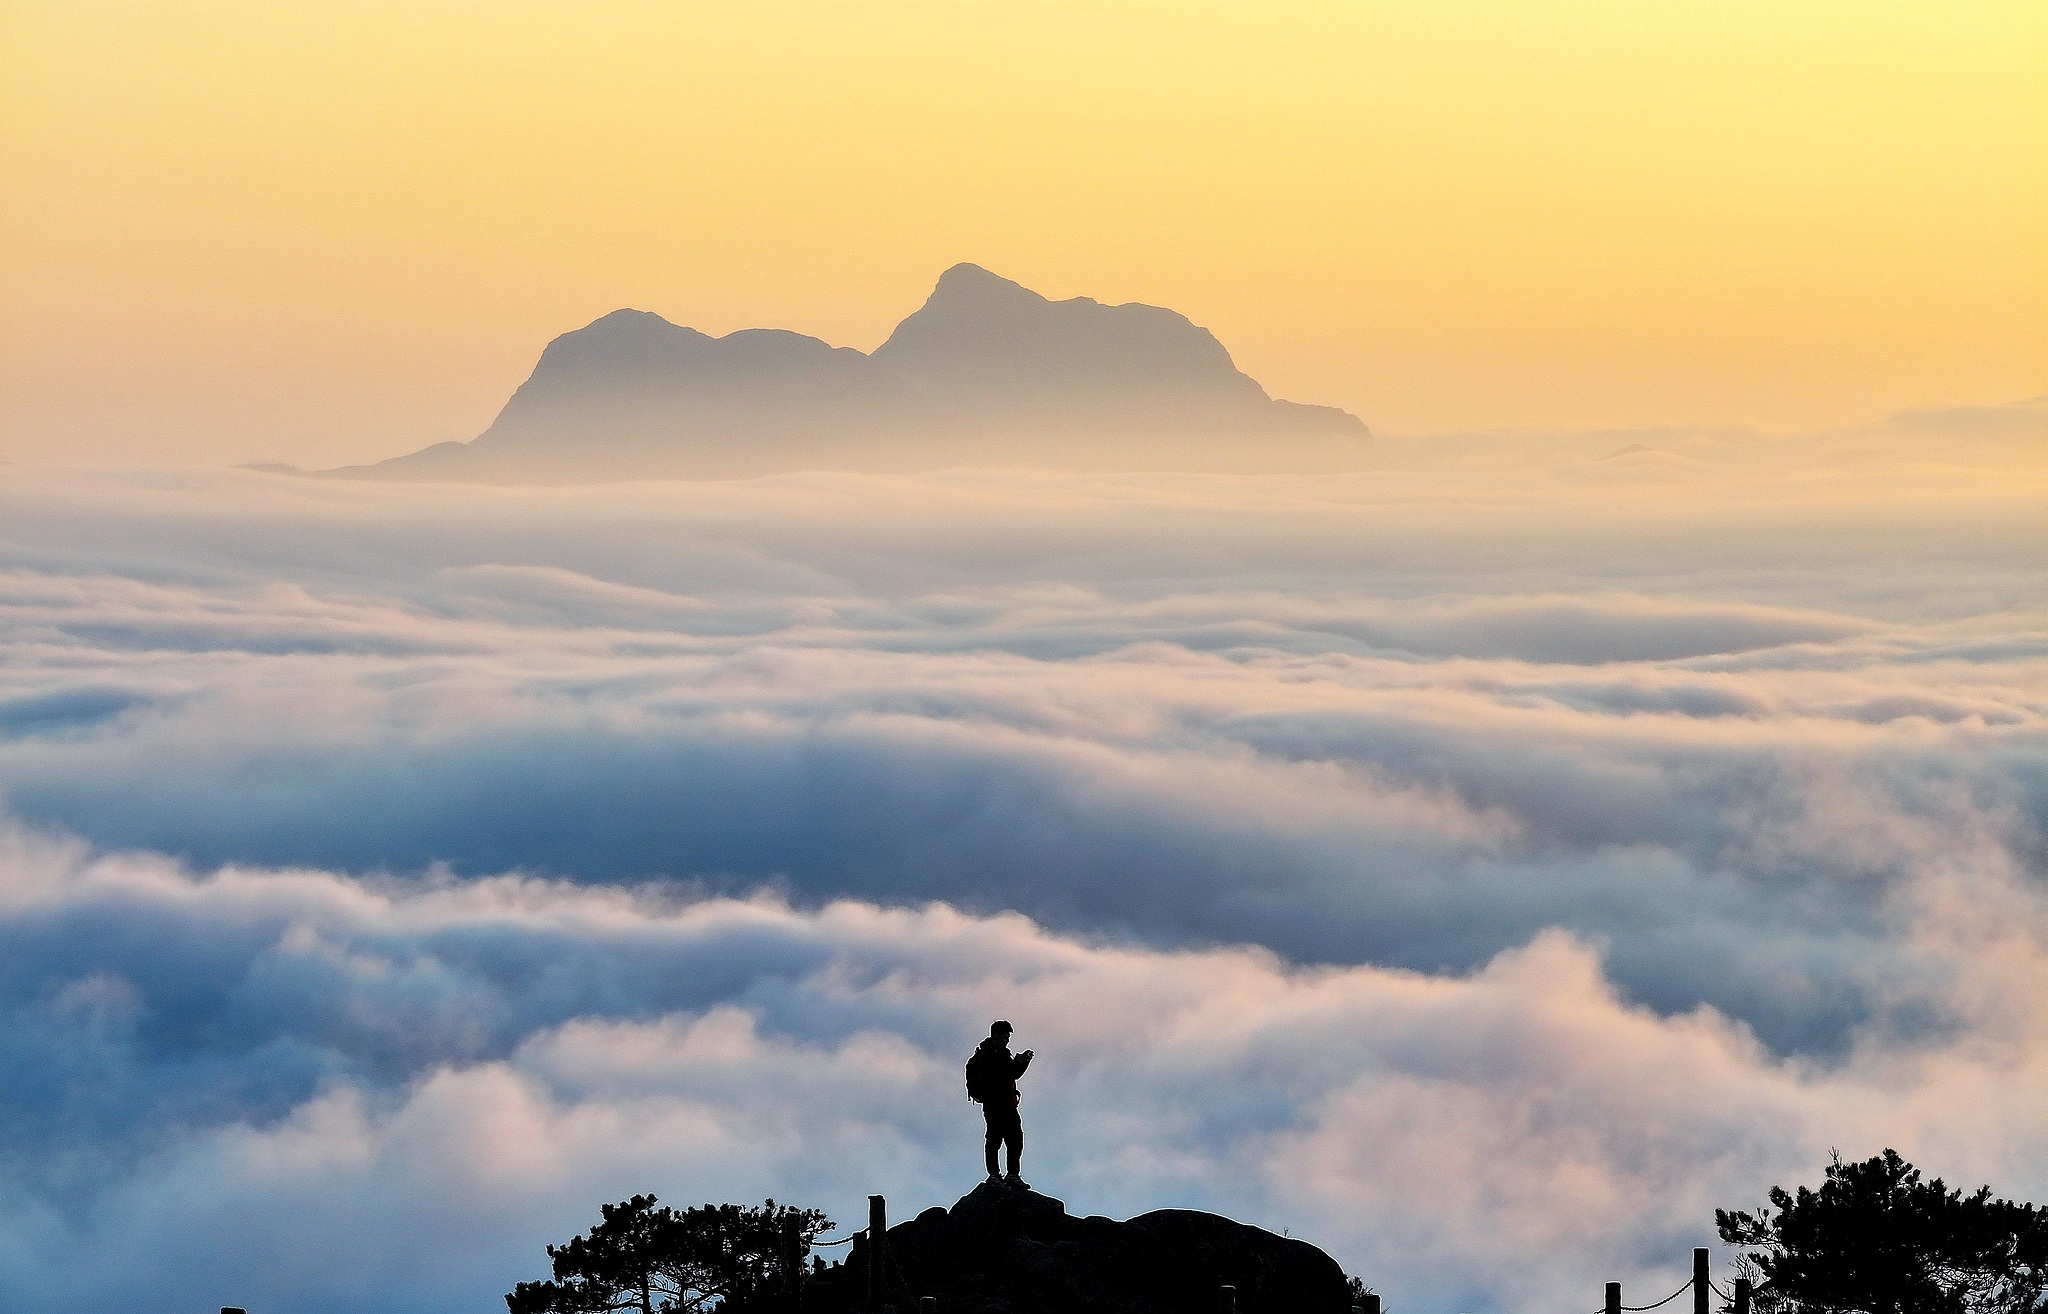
<point x="336" y="231"/>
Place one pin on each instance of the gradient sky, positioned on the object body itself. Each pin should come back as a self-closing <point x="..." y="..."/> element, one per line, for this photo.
<point x="337" y="231"/>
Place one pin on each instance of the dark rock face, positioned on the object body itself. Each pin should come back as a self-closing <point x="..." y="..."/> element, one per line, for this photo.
<point x="999" y="1250"/>
<point x="986" y="372"/>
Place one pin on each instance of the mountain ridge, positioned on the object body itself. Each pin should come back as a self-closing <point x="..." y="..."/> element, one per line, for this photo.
<point x="986" y="371"/>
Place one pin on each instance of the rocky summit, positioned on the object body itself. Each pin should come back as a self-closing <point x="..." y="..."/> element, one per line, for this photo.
<point x="1000" y="1249"/>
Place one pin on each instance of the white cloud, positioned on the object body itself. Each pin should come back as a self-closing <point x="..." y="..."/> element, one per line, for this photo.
<point x="495" y="1056"/>
<point x="1481" y="873"/>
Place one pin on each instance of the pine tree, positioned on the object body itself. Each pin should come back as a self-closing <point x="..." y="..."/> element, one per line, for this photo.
<point x="647" y="1258"/>
<point x="1877" y="1239"/>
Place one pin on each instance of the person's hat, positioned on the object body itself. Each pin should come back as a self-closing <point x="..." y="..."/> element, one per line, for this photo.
<point x="1003" y="1027"/>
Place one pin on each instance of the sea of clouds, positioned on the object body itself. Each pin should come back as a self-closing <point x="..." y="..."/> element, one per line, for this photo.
<point x="1481" y="866"/>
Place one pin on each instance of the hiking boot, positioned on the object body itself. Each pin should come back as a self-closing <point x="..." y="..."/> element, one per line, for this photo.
<point x="994" y="1179"/>
<point x="1016" y="1183"/>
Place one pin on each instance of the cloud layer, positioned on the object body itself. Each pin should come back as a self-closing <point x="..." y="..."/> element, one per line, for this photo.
<point x="1482" y="870"/>
<point x="304" y="1091"/>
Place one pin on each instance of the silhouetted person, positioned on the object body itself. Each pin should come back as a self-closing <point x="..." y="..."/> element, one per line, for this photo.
<point x="992" y="1082"/>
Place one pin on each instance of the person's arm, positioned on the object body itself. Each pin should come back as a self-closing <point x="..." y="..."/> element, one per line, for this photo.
<point x="1022" y="1062"/>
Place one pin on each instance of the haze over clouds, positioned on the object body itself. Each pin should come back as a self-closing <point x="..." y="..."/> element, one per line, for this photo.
<point x="1482" y="865"/>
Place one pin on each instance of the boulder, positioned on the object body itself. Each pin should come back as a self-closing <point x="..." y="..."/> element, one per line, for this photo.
<point x="1000" y="1250"/>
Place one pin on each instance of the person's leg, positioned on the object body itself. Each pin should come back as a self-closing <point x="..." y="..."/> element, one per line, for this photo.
<point x="989" y="1114"/>
<point x="1013" y="1137"/>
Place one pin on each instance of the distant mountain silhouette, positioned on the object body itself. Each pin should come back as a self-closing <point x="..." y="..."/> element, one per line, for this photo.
<point x="986" y="372"/>
<point x="1004" y="1251"/>
<point x="983" y="342"/>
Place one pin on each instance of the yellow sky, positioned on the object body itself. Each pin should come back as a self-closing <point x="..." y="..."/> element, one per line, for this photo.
<point x="330" y="230"/>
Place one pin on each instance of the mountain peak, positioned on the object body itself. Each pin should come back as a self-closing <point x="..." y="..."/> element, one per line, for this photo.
<point x="984" y="336"/>
<point x="972" y="282"/>
<point x="628" y="325"/>
<point x="627" y="317"/>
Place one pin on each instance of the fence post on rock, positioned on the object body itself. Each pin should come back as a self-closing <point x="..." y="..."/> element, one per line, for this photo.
<point x="1227" y="1300"/>
<point x="878" y="1237"/>
<point x="1701" y="1288"/>
<point x="928" y="1305"/>
<point x="1741" y="1296"/>
<point x="1614" y="1298"/>
<point x="1369" y="1303"/>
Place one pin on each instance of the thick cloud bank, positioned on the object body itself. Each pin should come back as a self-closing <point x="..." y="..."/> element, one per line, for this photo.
<point x="302" y="1091"/>
<point x="1614" y="826"/>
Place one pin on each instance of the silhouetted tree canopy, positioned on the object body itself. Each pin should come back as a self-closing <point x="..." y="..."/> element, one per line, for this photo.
<point x="1876" y="1238"/>
<point x="649" y="1258"/>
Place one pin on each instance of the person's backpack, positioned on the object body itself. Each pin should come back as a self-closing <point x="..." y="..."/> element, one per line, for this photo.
<point x="980" y="1081"/>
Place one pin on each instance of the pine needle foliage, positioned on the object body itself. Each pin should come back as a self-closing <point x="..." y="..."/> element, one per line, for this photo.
<point x="646" y="1258"/>
<point x="1877" y="1238"/>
